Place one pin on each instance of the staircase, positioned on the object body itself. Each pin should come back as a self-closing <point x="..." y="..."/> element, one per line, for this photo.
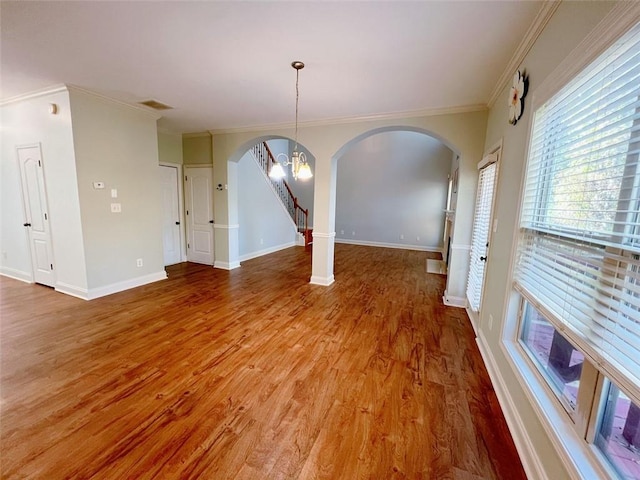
<point x="300" y="216"/>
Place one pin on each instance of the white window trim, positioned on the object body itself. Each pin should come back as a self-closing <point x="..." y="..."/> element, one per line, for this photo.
<point x="581" y="459"/>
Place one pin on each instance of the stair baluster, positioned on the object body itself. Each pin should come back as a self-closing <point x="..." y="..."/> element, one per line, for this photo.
<point x="300" y="216"/>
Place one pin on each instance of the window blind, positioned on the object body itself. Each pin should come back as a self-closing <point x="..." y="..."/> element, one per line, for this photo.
<point x="480" y="235"/>
<point x="579" y="247"/>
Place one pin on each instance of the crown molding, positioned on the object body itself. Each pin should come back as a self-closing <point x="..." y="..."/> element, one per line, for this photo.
<point x="357" y="119"/>
<point x="35" y="94"/>
<point x="196" y="134"/>
<point x="74" y="88"/>
<point x="620" y="19"/>
<point x="112" y="101"/>
<point x="545" y="13"/>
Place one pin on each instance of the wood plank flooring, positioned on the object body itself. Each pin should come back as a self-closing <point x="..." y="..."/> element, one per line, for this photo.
<point x="251" y="374"/>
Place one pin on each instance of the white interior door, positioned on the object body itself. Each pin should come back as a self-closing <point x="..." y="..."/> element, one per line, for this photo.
<point x="199" y="210"/>
<point x="481" y="234"/>
<point x="36" y="214"/>
<point x="170" y="215"/>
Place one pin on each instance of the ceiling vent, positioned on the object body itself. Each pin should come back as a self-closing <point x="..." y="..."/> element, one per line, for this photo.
<point x="155" y="105"/>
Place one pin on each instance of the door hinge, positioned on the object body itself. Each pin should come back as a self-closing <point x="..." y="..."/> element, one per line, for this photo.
<point x="187" y="212"/>
<point x="45" y="216"/>
<point x="39" y="163"/>
<point x="188" y="246"/>
<point x="51" y="266"/>
<point x="185" y="178"/>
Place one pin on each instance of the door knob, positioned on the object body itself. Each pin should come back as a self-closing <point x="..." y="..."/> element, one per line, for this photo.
<point x="483" y="259"/>
<point x="177" y="223"/>
<point x="27" y="225"/>
<point x="210" y="221"/>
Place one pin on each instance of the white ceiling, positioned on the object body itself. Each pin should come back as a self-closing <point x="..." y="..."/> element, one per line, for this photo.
<point x="227" y="64"/>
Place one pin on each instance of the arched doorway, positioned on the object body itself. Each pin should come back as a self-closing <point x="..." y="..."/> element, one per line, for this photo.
<point x="265" y="215"/>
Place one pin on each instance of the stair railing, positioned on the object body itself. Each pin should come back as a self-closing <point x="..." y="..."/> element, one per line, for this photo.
<point x="299" y="215"/>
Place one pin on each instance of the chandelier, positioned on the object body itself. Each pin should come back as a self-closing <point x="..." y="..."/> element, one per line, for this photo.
<point x="299" y="166"/>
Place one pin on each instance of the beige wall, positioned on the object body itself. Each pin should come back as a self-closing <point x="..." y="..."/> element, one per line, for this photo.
<point x="462" y="132"/>
<point x="196" y="149"/>
<point x="28" y="122"/>
<point x="169" y="148"/>
<point x="117" y="145"/>
<point x="569" y="25"/>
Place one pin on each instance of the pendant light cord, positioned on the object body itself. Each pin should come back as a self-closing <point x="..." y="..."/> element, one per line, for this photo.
<point x="295" y="148"/>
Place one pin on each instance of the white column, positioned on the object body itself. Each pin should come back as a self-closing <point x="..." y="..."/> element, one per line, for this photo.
<point x="324" y="216"/>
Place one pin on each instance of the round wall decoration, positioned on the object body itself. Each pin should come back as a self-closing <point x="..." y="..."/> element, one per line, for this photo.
<point x="516" y="96"/>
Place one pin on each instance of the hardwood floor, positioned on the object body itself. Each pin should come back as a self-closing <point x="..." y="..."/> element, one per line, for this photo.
<point x="251" y="374"/>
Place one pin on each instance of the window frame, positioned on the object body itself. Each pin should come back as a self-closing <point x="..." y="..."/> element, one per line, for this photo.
<point x="572" y="439"/>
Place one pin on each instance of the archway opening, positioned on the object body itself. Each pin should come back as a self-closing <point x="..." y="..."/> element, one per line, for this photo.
<point x="271" y="214"/>
<point x="394" y="186"/>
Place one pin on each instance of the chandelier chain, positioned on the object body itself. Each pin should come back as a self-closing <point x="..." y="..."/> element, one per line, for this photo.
<point x="295" y="148"/>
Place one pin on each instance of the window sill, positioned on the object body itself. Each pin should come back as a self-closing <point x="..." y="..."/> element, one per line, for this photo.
<point x="579" y="458"/>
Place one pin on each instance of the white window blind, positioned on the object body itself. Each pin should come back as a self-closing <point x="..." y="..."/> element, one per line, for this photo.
<point x="480" y="235"/>
<point x="579" y="250"/>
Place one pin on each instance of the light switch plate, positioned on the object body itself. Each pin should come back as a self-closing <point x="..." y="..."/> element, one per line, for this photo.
<point x="116" y="208"/>
<point x="114" y="193"/>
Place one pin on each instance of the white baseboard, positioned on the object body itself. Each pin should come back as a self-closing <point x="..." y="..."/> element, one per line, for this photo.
<point x="452" y="301"/>
<point x="226" y="265"/>
<point x="93" y="293"/>
<point x="474" y="319"/>
<point x="526" y="450"/>
<point x="72" y="290"/>
<point x="324" y="281"/>
<point x="16" y="274"/>
<point x="267" y="251"/>
<point x="401" y="246"/>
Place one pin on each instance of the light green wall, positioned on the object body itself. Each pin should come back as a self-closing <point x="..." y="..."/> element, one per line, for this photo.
<point x="169" y="148"/>
<point x="117" y="145"/>
<point x="196" y="149"/>
<point x="29" y="122"/>
<point x="566" y="29"/>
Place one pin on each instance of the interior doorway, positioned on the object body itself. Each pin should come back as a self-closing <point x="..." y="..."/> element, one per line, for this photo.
<point x="36" y="214"/>
<point x="171" y="221"/>
<point x="199" y="214"/>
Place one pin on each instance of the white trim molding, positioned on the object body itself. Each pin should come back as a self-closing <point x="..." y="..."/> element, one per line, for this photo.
<point x="357" y="119"/>
<point x="531" y="462"/>
<point x="323" y="281"/>
<point x="226" y="265"/>
<point x="35" y="94"/>
<point x="315" y="234"/>
<point x="400" y="246"/>
<point x="221" y="226"/>
<point x="72" y="290"/>
<point x="451" y="301"/>
<point x="620" y="19"/>
<point x="576" y="455"/>
<point x="93" y="293"/>
<point x="545" y="13"/>
<point x="266" y="251"/>
<point x="16" y="274"/>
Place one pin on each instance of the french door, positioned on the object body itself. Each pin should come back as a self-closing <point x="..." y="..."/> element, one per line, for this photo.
<point x="482" y="219"/>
